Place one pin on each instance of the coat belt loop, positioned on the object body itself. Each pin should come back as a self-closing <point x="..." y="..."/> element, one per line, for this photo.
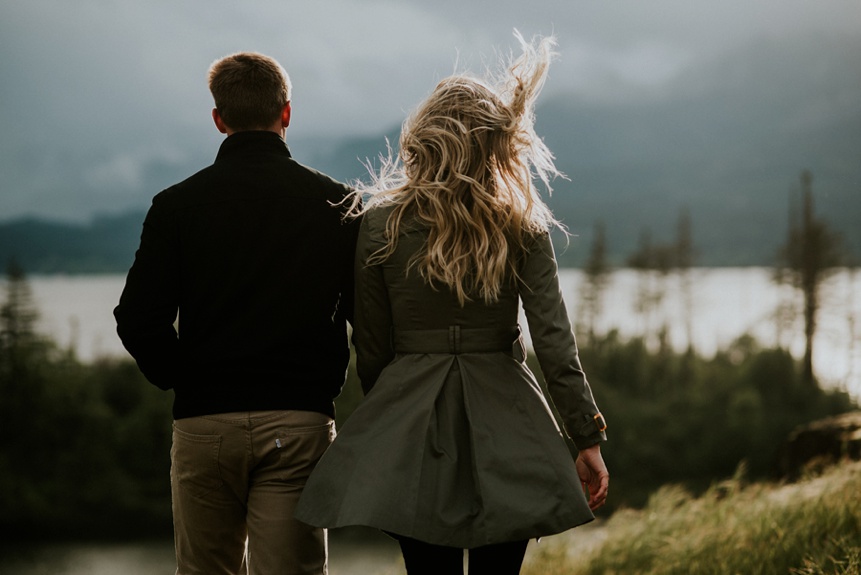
<point x="454" y="339"/>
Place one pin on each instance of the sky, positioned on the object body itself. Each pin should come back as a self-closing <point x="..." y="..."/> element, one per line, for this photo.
<point x="102" y="100"/>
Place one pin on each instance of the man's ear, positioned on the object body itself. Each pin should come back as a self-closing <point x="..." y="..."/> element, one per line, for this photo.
<point x="219" y="123"/>
<point x="285" y="115"/>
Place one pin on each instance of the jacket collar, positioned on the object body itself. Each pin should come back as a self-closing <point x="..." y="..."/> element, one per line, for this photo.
<point x="251" y="143"/>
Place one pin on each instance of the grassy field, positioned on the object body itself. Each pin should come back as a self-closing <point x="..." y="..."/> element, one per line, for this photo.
<point x="812" y="527"/>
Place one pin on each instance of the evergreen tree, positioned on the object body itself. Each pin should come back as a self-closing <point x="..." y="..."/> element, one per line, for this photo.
<point x="653" y="264"/>
<point x="18" y="314"/>
<point x="684" y="262"/>
<point x="812" y="252"/>
<point x="597" y="278"/>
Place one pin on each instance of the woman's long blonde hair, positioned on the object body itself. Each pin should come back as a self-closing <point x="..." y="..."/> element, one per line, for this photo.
<point x="465" y="169"/>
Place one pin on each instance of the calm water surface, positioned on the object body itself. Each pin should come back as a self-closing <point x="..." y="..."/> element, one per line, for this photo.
<point x="724" y="303"/>
<point x="370" y="554"/>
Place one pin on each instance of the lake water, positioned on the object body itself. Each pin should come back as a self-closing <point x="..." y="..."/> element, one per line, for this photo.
<point x="724" y="303"/>
<point x="352" y="551"/>
<point x="370" y="553"/>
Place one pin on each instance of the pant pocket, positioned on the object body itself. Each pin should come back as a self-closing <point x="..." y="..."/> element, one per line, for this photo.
<point x="300" y="448"/>
<point x="194" y="462"/>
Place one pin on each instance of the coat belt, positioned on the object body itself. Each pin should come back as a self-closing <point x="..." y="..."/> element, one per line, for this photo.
<point x="456" y="339"/>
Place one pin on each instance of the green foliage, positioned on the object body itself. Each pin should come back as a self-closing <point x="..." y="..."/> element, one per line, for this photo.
<point x="84" y="449"/>
<point x="681" y="418"/>
<point x="809" y="528"/>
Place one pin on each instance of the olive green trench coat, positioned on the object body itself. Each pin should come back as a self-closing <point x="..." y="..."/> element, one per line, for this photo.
<point x="455" y="443"/>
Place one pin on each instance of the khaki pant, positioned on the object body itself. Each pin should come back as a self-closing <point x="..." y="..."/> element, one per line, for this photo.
<point x="235" y="481"/>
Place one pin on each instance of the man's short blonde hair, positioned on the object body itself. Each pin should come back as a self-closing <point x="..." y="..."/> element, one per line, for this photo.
<point x="249" y="89"/>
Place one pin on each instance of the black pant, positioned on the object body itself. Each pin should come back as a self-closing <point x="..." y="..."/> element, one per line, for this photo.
<point x="423" y="558"/>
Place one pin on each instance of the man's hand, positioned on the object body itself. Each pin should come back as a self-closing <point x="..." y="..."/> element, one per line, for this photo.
<point x="593" y="475"/>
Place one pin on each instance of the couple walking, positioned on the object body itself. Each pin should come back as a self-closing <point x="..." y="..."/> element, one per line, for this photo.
<point x="264" y="261"/>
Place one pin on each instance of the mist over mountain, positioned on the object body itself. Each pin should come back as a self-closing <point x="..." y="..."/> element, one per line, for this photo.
<point x="725" y="141"/>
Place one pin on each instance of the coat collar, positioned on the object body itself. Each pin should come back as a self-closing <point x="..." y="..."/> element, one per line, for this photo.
<point x="252" y="142"/>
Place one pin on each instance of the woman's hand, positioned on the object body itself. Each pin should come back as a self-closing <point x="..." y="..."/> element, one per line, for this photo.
<point x="593" y="475"/>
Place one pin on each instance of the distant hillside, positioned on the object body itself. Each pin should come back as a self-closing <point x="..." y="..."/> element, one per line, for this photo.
<point x="107" y="244"/>
<point x="726" y="142"/>
<point x="730" y="152"/>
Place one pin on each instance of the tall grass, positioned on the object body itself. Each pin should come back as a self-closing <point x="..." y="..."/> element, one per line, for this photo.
<point x="812" y="527"/>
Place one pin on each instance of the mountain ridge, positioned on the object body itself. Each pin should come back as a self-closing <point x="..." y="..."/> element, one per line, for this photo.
<point x="725" y="142"/>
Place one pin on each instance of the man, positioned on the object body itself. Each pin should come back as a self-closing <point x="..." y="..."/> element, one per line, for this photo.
<point x="253" y="255"/>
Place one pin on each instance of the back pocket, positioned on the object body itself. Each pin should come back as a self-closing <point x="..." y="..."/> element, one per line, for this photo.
<point x="194" y="462"/>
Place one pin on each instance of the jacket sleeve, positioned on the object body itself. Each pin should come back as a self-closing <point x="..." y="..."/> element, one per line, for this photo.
<point x="372" y="328"/>
<point x="347" y="302"/>
<point x="554" y="344"/>
<point x="149" y="302"/>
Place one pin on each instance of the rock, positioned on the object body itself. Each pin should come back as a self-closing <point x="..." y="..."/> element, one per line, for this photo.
<point x="813" y="446"/>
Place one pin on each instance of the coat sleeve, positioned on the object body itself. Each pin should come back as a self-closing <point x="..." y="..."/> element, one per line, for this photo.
<point x="149" y="302"/>
<point x="555" y="346"/>
<point x="372" y="328"/>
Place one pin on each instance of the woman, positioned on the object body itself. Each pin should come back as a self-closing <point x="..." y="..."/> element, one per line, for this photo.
<point x="454" y="446"/>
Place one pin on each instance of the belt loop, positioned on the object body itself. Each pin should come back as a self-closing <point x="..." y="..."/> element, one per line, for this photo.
<point x="454" y="339"/>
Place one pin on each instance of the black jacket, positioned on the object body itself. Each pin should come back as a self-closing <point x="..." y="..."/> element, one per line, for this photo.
<point x="253" y="255"/>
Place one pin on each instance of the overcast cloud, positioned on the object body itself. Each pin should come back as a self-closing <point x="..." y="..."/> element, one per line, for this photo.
<point x="96" y="95"/>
